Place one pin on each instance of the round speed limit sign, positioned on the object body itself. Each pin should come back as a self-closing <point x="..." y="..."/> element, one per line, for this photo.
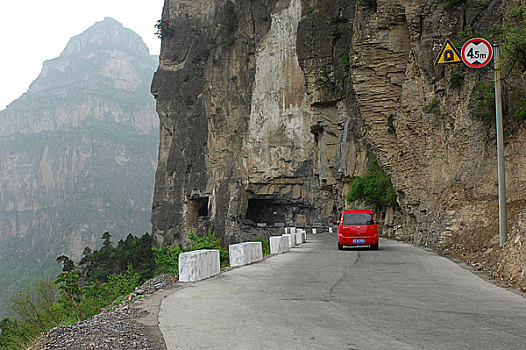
<point x="477" y="52"/>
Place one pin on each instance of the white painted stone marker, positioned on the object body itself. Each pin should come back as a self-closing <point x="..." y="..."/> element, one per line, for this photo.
<point x="198" y="265"/>
<point x="289" y="239"/>
<point x="245" y="253"/>
<point x="275" y="243"/>
<point x="293" y="240"/>
<point x="279" y="244"/>
<point x="285" y="242"/>
<point x="330" y="229"/>
<point x="313" y="231"/>
<point x="299" y="237"/>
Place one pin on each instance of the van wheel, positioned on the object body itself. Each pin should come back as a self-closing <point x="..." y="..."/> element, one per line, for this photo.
<point x="340" y="247"/>
<point x="374" y="247"/>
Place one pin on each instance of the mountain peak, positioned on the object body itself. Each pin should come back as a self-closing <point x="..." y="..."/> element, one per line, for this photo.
<point x="105" y="57"/>
<point x="106" y="33"/>
<point x="110" y="20"/>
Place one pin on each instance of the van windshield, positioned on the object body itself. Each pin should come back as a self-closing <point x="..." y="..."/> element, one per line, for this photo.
<point x="358" y="219"/>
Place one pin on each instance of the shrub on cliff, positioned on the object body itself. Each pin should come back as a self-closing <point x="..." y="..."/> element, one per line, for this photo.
<point x="374" y="188"/>
<point x="167" y="258"/>
<point x="209" y="241"/>
<point x="48" y="304"/>
<point x="104" y="276"/>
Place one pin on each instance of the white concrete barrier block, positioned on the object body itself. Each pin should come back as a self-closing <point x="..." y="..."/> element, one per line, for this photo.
<point x="304" y="235"/>
<point x="288" y="236"/>
<point x="198" y="265"/>
<point x="245" y="253"/>
<point x="285" y="243"/>
<point x="279" y="244"/>
<point x="293" y="240"/>
<point x="313" y="231"/>
<point x="299" y="237"/>
<point x="275" y="244"/>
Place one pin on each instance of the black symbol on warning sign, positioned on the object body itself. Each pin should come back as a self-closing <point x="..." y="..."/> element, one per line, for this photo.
<point x="449" y="56"/>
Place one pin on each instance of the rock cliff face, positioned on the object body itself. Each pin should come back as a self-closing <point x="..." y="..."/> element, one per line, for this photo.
<point x="77" y="153"/>
<point x="256" y="151"/>
<point x="269" y="109"/>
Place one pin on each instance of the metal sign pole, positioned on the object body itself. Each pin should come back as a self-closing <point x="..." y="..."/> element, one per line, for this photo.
<point x="500" y="151"/>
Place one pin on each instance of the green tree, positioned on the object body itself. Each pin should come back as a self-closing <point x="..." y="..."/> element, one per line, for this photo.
<point x="67" y="263"/>
<point x="107" y="240"/>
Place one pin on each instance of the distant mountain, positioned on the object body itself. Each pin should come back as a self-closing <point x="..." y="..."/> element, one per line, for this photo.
<point x="78" y="153"/>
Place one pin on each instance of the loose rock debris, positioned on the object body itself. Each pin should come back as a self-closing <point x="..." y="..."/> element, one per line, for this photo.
<point x="117" y="329"/>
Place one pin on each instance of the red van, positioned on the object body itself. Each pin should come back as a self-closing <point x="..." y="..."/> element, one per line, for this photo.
<point x="357" y="228"/>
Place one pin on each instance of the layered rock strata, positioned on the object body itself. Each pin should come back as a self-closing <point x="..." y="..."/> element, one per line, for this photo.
<point x="270" y="108"/>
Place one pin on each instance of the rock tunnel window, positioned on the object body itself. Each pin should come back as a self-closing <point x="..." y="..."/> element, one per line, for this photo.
<point x="267" y="211"/>
<point x="197" y="207"/>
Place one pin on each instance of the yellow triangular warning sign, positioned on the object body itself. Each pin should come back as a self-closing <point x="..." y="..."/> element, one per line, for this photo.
<point x="448" y="54"/>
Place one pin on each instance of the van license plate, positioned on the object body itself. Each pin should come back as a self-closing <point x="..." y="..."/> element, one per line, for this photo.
<point x="358" y="240"/>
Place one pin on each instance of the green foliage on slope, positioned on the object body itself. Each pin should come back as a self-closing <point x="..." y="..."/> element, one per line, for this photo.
<point x="167" y="258"/>
<point x="265" y="244"/>
<point x="374" y="188"/>
<point x="132" y="252"/>
<point x="110" y="274"/>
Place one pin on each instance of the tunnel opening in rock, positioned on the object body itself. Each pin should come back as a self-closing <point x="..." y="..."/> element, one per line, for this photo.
<point x="276" y="211"/>
<point x="197" y="208"/>
<point x="268" y="211"/>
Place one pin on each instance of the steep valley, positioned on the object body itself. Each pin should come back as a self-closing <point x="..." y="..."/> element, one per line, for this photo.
<point x="78" y="153"/>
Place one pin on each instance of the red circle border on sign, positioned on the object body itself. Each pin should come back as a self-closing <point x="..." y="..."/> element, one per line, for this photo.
<point x="490" y="56"/>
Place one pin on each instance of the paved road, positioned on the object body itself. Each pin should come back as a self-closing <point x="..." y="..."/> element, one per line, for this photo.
<point x="316" y="297"/>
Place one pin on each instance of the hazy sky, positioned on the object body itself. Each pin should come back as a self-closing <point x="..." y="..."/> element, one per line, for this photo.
<point x="32" y="31"/>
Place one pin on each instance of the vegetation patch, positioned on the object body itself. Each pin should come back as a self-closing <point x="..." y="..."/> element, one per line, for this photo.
<point x="167" y="258"/>
<point x="451" y="4"/>
<point x="374" y="188"/>
<point x="265" y="244"/>
<point x="483" y="103"/>
<point x="456" y="79"/>
<point x="432" y="107"/>
<point x="224" y="32"/>
<point x="390" y="122"/>
<point x="338" y="19"/>
<point x="103" y="278"/>
<point x="512" y="39"/>
<point x="163" y="29"/>
<point x="343" y="62"/>
<point x="325" y="79"/>
<point x="336" y="32"/>
<point x="368" y="3"/>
